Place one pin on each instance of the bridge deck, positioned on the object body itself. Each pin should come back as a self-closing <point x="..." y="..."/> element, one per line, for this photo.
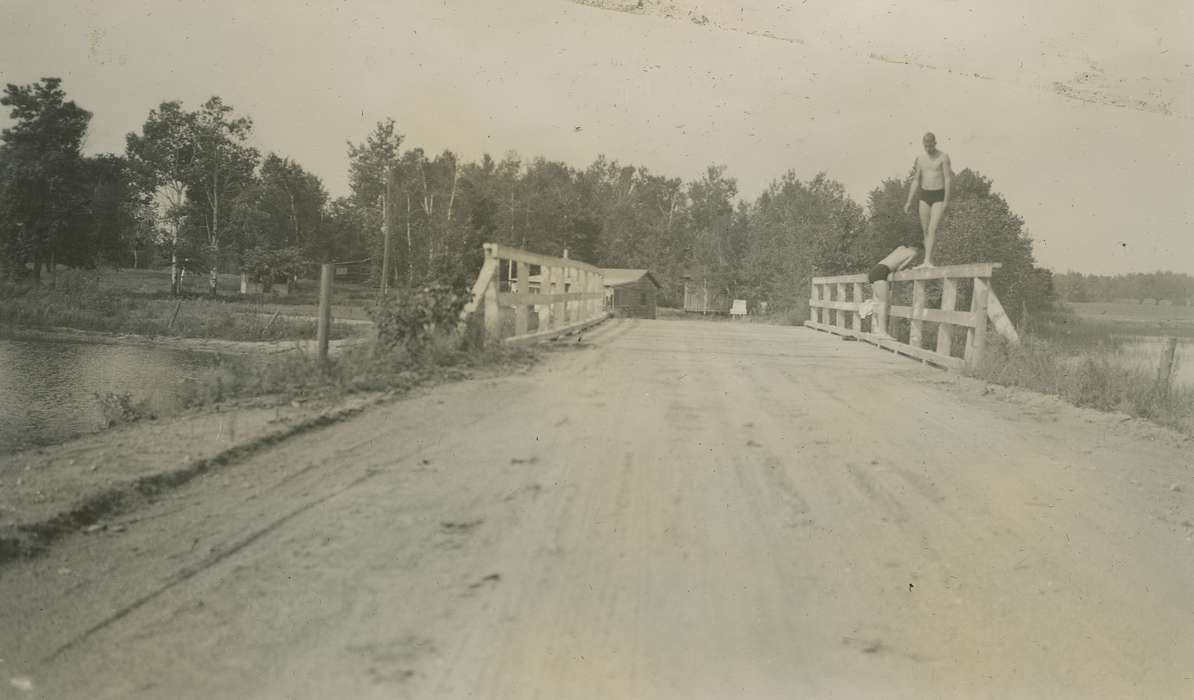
<point x="667" y="509"/>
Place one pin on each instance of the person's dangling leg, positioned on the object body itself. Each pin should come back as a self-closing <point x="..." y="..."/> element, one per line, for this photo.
<point x="879" y="320"/>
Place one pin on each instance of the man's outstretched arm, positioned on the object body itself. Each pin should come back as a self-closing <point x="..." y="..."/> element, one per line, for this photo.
<point x="914" y="187"/>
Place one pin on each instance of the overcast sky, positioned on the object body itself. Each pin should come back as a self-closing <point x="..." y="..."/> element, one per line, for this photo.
<point x="1081" y="111"/>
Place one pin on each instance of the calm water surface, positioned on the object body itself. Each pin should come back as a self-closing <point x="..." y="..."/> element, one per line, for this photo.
<point x="1145" y="353"/>
<point x="48" y="388"/>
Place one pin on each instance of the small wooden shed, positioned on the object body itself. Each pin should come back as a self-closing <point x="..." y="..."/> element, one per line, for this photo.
<point x="631" y="293"/>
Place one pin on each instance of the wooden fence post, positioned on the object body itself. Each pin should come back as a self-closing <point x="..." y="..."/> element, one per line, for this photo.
<point x="325" y="309"/>
<point x="1165" y="368"/>
<point x="173" y="316"/>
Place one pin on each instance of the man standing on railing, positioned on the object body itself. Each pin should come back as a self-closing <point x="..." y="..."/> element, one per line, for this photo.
<point x="932" y="179"/>
<point x="895" y="261"/>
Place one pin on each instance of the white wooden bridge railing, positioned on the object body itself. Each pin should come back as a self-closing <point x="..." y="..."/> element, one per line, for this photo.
<point x="522" y="297"/>
<point x="835" y="302"/>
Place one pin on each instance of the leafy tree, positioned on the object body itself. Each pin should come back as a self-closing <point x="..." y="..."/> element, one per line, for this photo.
<point x="887" y="227"/>
<point x="285" y="208"/>
<point x="42" y="173"/>
<point x="710" y="215"/>
<point x="273" y="266"/>
<point x="223" y="164"/>
<point x="797" y="230"/>
<point x="345" y="227"/>
<point x="370" y="164"/>
<point x="111" y="218"/>
<point x="162" y="158"/>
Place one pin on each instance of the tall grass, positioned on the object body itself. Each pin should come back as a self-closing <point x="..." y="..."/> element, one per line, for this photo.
<point x="367" y="366"/>
<point x="1087" y="377"/>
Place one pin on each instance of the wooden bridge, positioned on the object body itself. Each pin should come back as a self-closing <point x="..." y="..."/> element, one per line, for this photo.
<point x="522" y="297"/>
<point x="836" y="301"/>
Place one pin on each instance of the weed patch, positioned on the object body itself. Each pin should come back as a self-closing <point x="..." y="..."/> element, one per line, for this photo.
<point x="1091" y="378"/>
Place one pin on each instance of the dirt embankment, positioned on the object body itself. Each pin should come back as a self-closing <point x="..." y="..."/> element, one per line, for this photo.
<point x="666" y="510"/>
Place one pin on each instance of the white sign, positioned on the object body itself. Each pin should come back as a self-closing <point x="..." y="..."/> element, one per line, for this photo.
<point x="739" y="308"/>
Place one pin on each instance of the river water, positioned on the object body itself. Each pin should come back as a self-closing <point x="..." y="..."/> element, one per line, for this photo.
<point x="1145" y="353"/>
<point x="48" y="388"/>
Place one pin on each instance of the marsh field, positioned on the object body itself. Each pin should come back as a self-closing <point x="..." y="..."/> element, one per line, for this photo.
<point x="1132" y="334"/>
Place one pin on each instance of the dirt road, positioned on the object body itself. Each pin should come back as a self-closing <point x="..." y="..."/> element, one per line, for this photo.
<point x="670" y="509"/>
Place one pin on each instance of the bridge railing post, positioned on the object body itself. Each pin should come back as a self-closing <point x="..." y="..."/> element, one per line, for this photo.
<point x="976" y="336"/>
<point x="520" y="310"/>
<point x="855" y="316"/>
<point x="815" y="311"/>
<point x="830" y="310"/>
<point x="842" y="314"/>
<point x="918" y="312"/>
<point x="949" y="302"/>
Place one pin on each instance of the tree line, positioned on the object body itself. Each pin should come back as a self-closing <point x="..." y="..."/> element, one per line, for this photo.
<point x="1138" y="286"/>
<point x="191" y="189"/>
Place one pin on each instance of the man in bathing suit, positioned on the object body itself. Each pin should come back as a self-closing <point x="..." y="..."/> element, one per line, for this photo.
<point x="933" y="179"/>
<point x="895" y="261"/>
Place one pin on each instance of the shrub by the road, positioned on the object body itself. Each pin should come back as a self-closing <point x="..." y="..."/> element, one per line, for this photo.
<point x="412" y="318"/>
<point x="419" y="337"/>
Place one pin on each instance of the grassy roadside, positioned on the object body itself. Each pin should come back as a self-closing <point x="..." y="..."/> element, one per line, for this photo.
<point x="1080" y="361"/>
<point x="366" y="367"/>
<point x="134" y="302"/>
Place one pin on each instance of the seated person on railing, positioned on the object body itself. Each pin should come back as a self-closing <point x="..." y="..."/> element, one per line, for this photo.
<point x="895" y="261"/>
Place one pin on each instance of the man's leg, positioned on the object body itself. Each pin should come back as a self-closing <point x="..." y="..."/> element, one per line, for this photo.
<point x="879" y="320"/>
<point x="925" y="215"/>
<point x="936" y="211"/>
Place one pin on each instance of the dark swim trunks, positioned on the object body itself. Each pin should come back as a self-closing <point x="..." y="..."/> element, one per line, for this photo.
<point x="931" y="197"/>
<point x="878" y="273"/>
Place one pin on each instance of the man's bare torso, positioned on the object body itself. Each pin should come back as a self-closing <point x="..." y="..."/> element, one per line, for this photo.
<point x="932" y="170"/>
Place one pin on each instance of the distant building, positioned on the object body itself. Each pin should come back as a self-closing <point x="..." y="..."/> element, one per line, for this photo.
<point x="631" y="293"/>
